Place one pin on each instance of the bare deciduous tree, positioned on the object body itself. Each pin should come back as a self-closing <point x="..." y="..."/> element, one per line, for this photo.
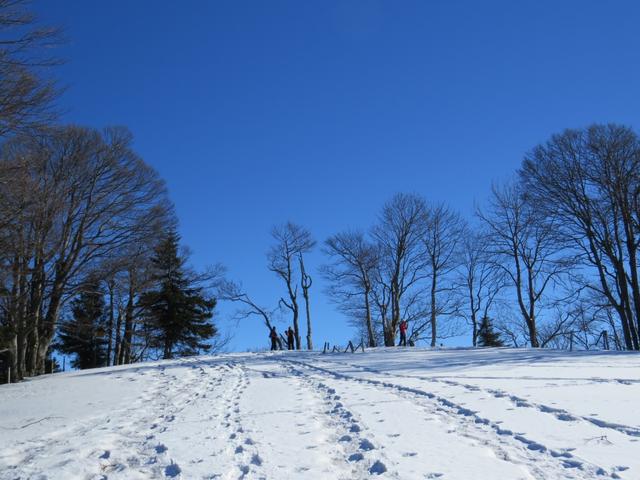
<point x="233" y="292"/>
<point x="71" y="200"/>
<point x="26" y="95"/>
<point x="443" y="233"/>
<point x="527" y="248"/>
<point x="350" y="276"/>
<point x="480" y="281"/>
<point x="403" y="262"/>
<point x="291" y="241"/>
<point x="588" y="182"/>
<point x="305" y="282"/>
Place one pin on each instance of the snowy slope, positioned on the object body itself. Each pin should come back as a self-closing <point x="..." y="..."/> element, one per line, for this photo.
<point x="402" y="414"/>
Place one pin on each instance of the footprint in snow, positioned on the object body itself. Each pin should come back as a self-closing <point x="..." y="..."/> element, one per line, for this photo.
<point x="572" y="464"/>
<point x="105" y="455"/>
<point x="160" y="448"/>
<point x="378" y="468"/>
<point x="356" y="457"/>
<point x="366" y="445"/>
<point x="172" y="470"/>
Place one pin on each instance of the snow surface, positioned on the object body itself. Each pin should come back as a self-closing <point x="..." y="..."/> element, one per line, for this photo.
<point x="387" y="413"/>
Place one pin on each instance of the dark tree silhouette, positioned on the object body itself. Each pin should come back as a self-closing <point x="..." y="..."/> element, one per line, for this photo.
<point x="26" y="94"/>
<point x="177" y="310"/>
<point x="84" y="334"/>
<point x="487" y="336"/>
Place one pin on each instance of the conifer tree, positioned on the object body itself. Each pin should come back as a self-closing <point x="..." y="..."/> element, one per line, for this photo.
<point x="177" y="311"/>
<point x="487" y="336"/>
<point x="84" y="334"/>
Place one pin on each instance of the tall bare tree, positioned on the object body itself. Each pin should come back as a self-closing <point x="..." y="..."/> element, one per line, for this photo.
<point x="71" y="199"/>
<point x="588" y="182"/>
<point x="350" y="276"/>
<point x="291" y="241"/>
<point x="403" y="263"/>
<point x="479" y="280"/>
<point x="305" y="282"/>
<point x="442" y="235"/>
<point x="528" y="250"/>
<point x="26" y="94"/>
<point x="381" y="300"/>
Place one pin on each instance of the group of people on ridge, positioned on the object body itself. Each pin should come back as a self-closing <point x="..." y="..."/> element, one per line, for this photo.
<point x="276" y="344"/>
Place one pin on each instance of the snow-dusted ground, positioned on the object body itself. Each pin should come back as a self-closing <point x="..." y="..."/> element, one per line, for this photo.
<point x="396" y="413"/>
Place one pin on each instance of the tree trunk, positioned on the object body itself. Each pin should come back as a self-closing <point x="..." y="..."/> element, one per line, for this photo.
<point x="47" y="330"/>
<point x="390" y="333"/>
<point x="117" y="350"/>
<point x="125" y="354"/>
<point x="309" y="341"/>
<point x="110" y="324"/>
<point x="296" y="328"/>
<point x="367" y="306"/>
<point x="13" y="357"/>
<point x="434" y="331"/>
<point x="474" y="324"/>
<point x="33" y="342"/>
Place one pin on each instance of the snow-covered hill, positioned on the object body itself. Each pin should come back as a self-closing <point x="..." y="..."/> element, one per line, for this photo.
<point x="403" y="414"/>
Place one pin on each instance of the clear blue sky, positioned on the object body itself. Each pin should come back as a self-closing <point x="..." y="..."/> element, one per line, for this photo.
<point x="318" y="111"/>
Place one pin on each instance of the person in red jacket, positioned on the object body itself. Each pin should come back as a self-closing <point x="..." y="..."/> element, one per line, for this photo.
<point x="403" y="333"/>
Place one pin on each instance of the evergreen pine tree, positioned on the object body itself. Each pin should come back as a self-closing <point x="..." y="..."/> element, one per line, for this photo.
<point x="177" y="310"/>
<point x="84" y="334"/>
<point x="487" y="336"/>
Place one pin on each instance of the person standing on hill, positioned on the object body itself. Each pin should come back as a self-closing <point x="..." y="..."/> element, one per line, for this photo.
<point x="273" y="335"/>
<point x="290" y="338"/>
<point x="403" y="333"/>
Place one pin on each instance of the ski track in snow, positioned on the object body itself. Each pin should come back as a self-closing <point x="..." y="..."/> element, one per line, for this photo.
<point x="470" y="425"/>
<point x="304" y="415"/>
<point x="559" y="413"/>
<point x="566" y="458"/>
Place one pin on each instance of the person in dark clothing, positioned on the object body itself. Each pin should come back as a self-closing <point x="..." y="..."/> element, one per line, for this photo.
<point x="290" y="338"/>
<point x="274" y="338"/>
<point x="403" y="333"/>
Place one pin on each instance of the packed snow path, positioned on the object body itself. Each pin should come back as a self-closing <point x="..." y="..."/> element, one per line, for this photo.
<point x="394" y="413"/>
